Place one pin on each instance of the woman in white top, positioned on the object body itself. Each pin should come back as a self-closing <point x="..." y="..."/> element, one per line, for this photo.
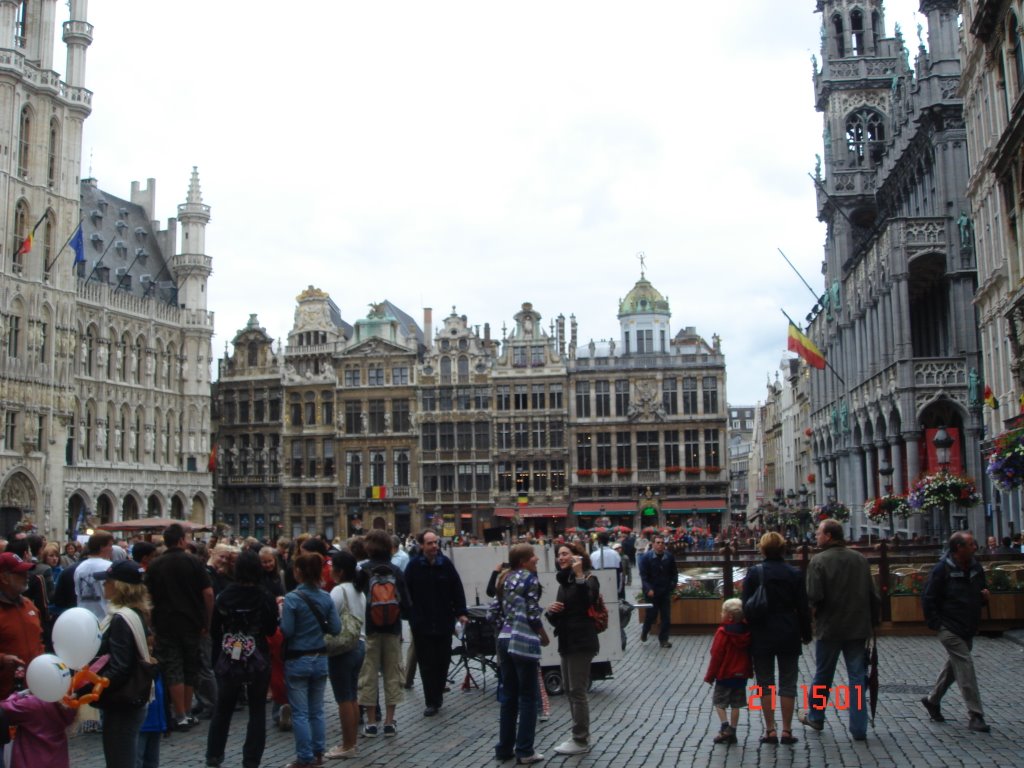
<point x="343" y="669"/>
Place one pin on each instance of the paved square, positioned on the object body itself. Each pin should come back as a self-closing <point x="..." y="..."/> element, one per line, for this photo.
<point x="657" y="712"/>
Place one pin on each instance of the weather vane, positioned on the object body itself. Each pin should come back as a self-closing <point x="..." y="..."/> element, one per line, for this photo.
<point x="643" y="263"/>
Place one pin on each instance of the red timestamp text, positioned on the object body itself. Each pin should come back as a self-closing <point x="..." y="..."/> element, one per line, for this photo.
<point x="841" y="697"/>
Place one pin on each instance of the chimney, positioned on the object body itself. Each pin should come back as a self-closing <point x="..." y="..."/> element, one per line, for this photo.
<point x="428" y="327"/>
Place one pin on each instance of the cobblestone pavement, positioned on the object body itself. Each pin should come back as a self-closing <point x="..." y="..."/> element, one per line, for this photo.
<point x="657" y="712"/>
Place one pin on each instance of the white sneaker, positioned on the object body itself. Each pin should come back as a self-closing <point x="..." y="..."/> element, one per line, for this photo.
<point x="572" y="747"/>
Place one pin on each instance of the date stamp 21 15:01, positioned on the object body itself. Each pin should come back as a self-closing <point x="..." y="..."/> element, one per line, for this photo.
<point x="814" y="696"/>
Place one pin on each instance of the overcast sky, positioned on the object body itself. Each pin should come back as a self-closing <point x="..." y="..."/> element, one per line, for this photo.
<point x="480" y="154"/>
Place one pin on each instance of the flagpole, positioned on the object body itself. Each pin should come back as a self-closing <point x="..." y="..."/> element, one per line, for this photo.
<point x="99" y="261"/>
<point x="817" y="298"/>
<point x="57" y="256"/>
<point x="827" y="363"/>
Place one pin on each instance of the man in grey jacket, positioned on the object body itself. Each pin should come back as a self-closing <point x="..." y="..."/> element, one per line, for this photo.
<point x="845" y="603"/>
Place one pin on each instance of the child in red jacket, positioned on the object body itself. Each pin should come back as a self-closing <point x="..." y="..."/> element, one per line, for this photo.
<point x="730" y="669"/>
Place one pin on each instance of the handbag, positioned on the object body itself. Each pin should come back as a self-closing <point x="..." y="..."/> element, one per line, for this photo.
<point x="598" y="613"/>
<point x="351" y="627"/>
<point x="756" y="606"/>
<point x="138" y="689"/>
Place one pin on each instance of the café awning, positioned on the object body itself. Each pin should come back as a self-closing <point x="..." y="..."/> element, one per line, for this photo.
<point x="598" y="508"/>
<point x="530" y="511"/>
<point x="694" y="506"/>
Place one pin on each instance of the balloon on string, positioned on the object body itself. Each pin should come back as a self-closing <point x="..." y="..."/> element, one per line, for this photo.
<point x="48" y="677"/>
<point x="76" y="637"/>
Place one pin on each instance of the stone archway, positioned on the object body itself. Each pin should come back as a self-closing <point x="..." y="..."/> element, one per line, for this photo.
<point x="380" y="524"/>
<point x="153" y="506"/>
<point x="17" y="501"/>
<point x="78" y="511"/>
<point x="177" y="508"/>
<point x="130" y="508"/>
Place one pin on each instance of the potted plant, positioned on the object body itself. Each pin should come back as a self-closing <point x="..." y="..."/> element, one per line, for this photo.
<point x="1006" y="462"/>
<point x="835" y="510"/>
<point x="584" y="472"/>
<point x="886" y="509"/>
<point x="691" y="470"/>
<point x="623" y="471"/>
<point x="712" y="469"/>
<point x="673" y="470"/>
<point x="603" y="473"/>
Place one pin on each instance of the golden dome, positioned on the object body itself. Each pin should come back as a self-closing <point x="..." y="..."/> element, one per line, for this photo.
<point x="644" y="299"/>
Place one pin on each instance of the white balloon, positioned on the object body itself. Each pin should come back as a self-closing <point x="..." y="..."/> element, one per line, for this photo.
<point x="76" y="637"/>
<point x="48" y="677"/>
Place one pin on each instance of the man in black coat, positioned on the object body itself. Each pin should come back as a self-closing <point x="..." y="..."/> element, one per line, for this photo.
<point x="659" y="575"/>
<point x="952" y="600"/>
<point x="438" y="600"/>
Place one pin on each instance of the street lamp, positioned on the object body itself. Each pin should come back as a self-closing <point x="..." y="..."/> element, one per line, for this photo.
<point x="943" y="442"/>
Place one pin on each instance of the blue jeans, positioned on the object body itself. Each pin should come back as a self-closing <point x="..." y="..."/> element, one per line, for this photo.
<point x="149" y="749"/>
<point x="306" y="678"/>
<point x="826" y="655"/>
<point x="121" y="736"/>
<point x="520" y="695"/>
<point x="660" y="604"/>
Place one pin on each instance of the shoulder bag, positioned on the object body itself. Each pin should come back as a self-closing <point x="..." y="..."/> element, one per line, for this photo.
<point x="137" y="690"/>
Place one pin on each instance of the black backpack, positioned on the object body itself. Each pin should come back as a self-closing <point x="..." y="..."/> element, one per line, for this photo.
<point x="240" y="657"/>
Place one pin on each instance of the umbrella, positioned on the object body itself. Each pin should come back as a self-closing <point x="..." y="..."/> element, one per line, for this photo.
<point x="649" y="530"/>
<point x="873" y="677"/>
<point x="599" y="529"/>
<point x="576" y="530"/>
<point x="622" y="529"/>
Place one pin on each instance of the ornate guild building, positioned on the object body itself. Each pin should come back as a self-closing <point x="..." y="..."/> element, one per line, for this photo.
<point x="896" y="320"/>
<point x="104" y="375"/>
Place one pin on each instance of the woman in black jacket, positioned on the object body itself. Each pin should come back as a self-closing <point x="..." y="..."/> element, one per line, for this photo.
<point x="124" y="639"/>
<point x="578" y="591"/>
<point x="778" y="634"/>
<point x="243" y="615"/>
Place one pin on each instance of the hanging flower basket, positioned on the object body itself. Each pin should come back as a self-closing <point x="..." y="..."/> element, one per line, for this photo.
<point x="811" y="477"/>
<point x="834" y="510"/>
<point x="941" y="488"/>
<point x="1006" y="464"/>
<point x="878" y="510"/>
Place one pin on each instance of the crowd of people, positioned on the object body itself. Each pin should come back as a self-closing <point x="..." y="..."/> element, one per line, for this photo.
<point x="191" y="630"/>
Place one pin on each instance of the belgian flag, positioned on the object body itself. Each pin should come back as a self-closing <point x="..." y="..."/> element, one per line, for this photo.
<point x="804" y="347"/>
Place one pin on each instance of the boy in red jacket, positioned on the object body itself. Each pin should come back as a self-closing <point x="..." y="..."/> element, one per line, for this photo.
<point x="730" y="668"/>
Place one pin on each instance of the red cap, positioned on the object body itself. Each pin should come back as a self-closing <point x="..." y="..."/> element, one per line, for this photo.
<point x="11" y="563"/>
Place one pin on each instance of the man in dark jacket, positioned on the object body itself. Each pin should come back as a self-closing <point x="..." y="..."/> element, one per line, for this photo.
<point x="438" y="600"/>
<point x="659" y="575"/>
<point x="953" y="597"/>
<point x="845" y="603"/>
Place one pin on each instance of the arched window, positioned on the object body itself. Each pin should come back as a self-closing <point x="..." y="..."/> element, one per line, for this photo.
<point x="21" y="230"/>
<point x="254" y="352"/>
<point x="839" y="35"/>
<point x="53" y="154"/>
<point x="24" y="136"/>
<point x="857" y="32"/>
<point x="21" y="24"/>
<point x="463" y="364"/>
<point x="1013" y="38"/>
<point x="14" y="320"/>
<point x="865" y="136"/>
<point x="446" y="370"/>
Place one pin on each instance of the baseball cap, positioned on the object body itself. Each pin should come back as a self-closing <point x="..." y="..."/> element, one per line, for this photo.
<point x="127" y="571"/>
<point x="11" y="563"/>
